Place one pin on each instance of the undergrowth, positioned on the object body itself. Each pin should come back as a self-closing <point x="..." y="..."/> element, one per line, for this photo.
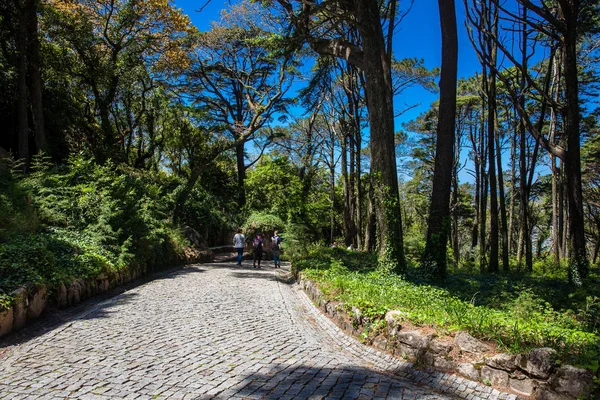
<point x="519" y="313"/>
<point x="80" y="220"/>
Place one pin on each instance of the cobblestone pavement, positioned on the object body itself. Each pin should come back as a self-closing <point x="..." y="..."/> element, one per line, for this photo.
<point x="208" y="331"/>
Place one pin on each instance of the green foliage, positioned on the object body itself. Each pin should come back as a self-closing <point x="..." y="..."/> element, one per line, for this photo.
<point x="296" y="240"/>
<point x="261" y="222"/>
<point x="516" y="315"/>
<point x="274" y="187"/>
<point x="90" y="219"/>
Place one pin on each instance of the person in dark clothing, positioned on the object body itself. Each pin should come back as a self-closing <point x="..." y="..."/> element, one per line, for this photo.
<point x="258" y="245"/>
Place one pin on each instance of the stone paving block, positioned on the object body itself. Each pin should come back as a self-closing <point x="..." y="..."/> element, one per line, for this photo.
<point x="226" y="332"/>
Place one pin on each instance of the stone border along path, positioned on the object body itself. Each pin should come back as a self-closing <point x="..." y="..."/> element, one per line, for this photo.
<point x="446" y="383"/>
<point x="211" y="331"/>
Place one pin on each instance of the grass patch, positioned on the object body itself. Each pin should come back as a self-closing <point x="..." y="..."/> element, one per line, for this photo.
<point x="519" y="313"/>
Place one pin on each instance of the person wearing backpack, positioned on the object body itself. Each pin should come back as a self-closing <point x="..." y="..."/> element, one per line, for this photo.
<point x="276" y="249"/>
<point x="258" y="248"/>
<point x="239" y="242"/>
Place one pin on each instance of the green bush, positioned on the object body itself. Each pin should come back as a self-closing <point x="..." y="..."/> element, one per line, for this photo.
<point x="262" y="222"/>
<point x="85" y="219"/>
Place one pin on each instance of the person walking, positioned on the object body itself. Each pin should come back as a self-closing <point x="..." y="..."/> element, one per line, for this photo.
<point x="239" y="241"/>
<point x="258" y="245"/>
<point x="275" y="249"/>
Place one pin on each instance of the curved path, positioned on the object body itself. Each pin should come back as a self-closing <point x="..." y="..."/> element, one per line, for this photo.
<point x="208" y="331"/>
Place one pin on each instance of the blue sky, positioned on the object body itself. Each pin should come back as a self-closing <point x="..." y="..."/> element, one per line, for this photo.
<point x="418" y="36"/>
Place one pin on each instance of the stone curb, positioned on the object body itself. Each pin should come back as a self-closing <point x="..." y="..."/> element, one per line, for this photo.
<point x="535" y="375"/>
<point x="443" y="382"/>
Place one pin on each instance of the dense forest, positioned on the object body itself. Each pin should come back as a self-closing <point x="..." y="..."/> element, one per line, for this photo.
<point x="122" y="124"/>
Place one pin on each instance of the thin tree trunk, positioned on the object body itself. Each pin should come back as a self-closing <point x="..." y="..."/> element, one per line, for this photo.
<point x="565" y="217"/>
<point x="513" y="179"/>
<point x="344" y="167"/>
<point x="438" y="227"/>
<point x="561" y="212"/>
<point x="241" y="172"/>
<point x="23" y="124"/>
<point x="332" y="198"/>
<point x="484" y="193"/>
<point x="503" y="218"/>
<point x="578" y="262"/>
<point x="475" y="232"/>
<point x="553" y="168"/>
<point x="523" y="192"/>
<point x="555" y="218"/>
<point x="455" y="235"/>
<point x="370" y="228"/>
<point x="360" y="241"/>
<point x="491" y="126"/>
<point x="35" y="80"/>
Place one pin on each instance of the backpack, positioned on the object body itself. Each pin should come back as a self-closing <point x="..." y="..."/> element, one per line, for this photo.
<point x="275" y="243"/>
<point x="257" y="243"/>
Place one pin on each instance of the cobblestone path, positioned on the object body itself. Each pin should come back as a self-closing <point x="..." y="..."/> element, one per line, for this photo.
<point x="208" y="331"/>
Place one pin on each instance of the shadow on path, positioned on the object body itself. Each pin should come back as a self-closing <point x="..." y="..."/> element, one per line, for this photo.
<point x="344" y="382"/>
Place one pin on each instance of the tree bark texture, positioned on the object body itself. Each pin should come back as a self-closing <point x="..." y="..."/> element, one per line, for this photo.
<point x="378" y="88"/>
<point x="578" y="262"/>
<point x="438" y="229"/>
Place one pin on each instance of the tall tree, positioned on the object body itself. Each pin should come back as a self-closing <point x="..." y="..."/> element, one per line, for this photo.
<point x="438" y="230"/>
<point x="559" y="22"/>
<point x="35" y="78"/>
<point x="109" y="40"/>
<point x="241" y="75"/>
<point x="371" y="53"/>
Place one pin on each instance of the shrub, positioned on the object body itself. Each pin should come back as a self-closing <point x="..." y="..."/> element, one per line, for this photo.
<point x="85" y="219"/>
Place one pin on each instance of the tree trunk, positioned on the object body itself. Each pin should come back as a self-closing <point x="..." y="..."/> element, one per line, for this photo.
<point x="562" y="213"/>
<point x="493" y="262"/>
<point x="370" y="230"/>
<point x="35" y="80"/>
<point x="332" y="197"/>
<point x="524" y="234"/>
<point x="513" y="180"/>
<point x="438" y="228"/>
<point x="483" y="197"/>
<point x="23" y="124"/>
<point x="578" y="262"/>
<point x="491" y="130"/>
<point x="555" y="223"/>
<point x="360" y="242"/>
<point x="378" y="88"/>
<point x="241" y="172"/>
<point x="473" y="137"/>
<point x="345" y="181"/>
<point x="455" y="233"/>
<point x="554" y="170"/>
<point x="503" y="218"/>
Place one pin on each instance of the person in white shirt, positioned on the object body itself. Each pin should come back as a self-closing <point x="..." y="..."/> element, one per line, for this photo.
<point x="239" y="242"/>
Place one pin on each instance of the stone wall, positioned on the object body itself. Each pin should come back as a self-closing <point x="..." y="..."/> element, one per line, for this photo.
<point x="537" y="374"/>
<point x="29" y="304"/>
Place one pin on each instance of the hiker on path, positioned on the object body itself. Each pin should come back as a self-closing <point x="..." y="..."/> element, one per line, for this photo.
<point x="258" y="249"/>
<point x="275" y="249"/>
<point x="239" y="241"/>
